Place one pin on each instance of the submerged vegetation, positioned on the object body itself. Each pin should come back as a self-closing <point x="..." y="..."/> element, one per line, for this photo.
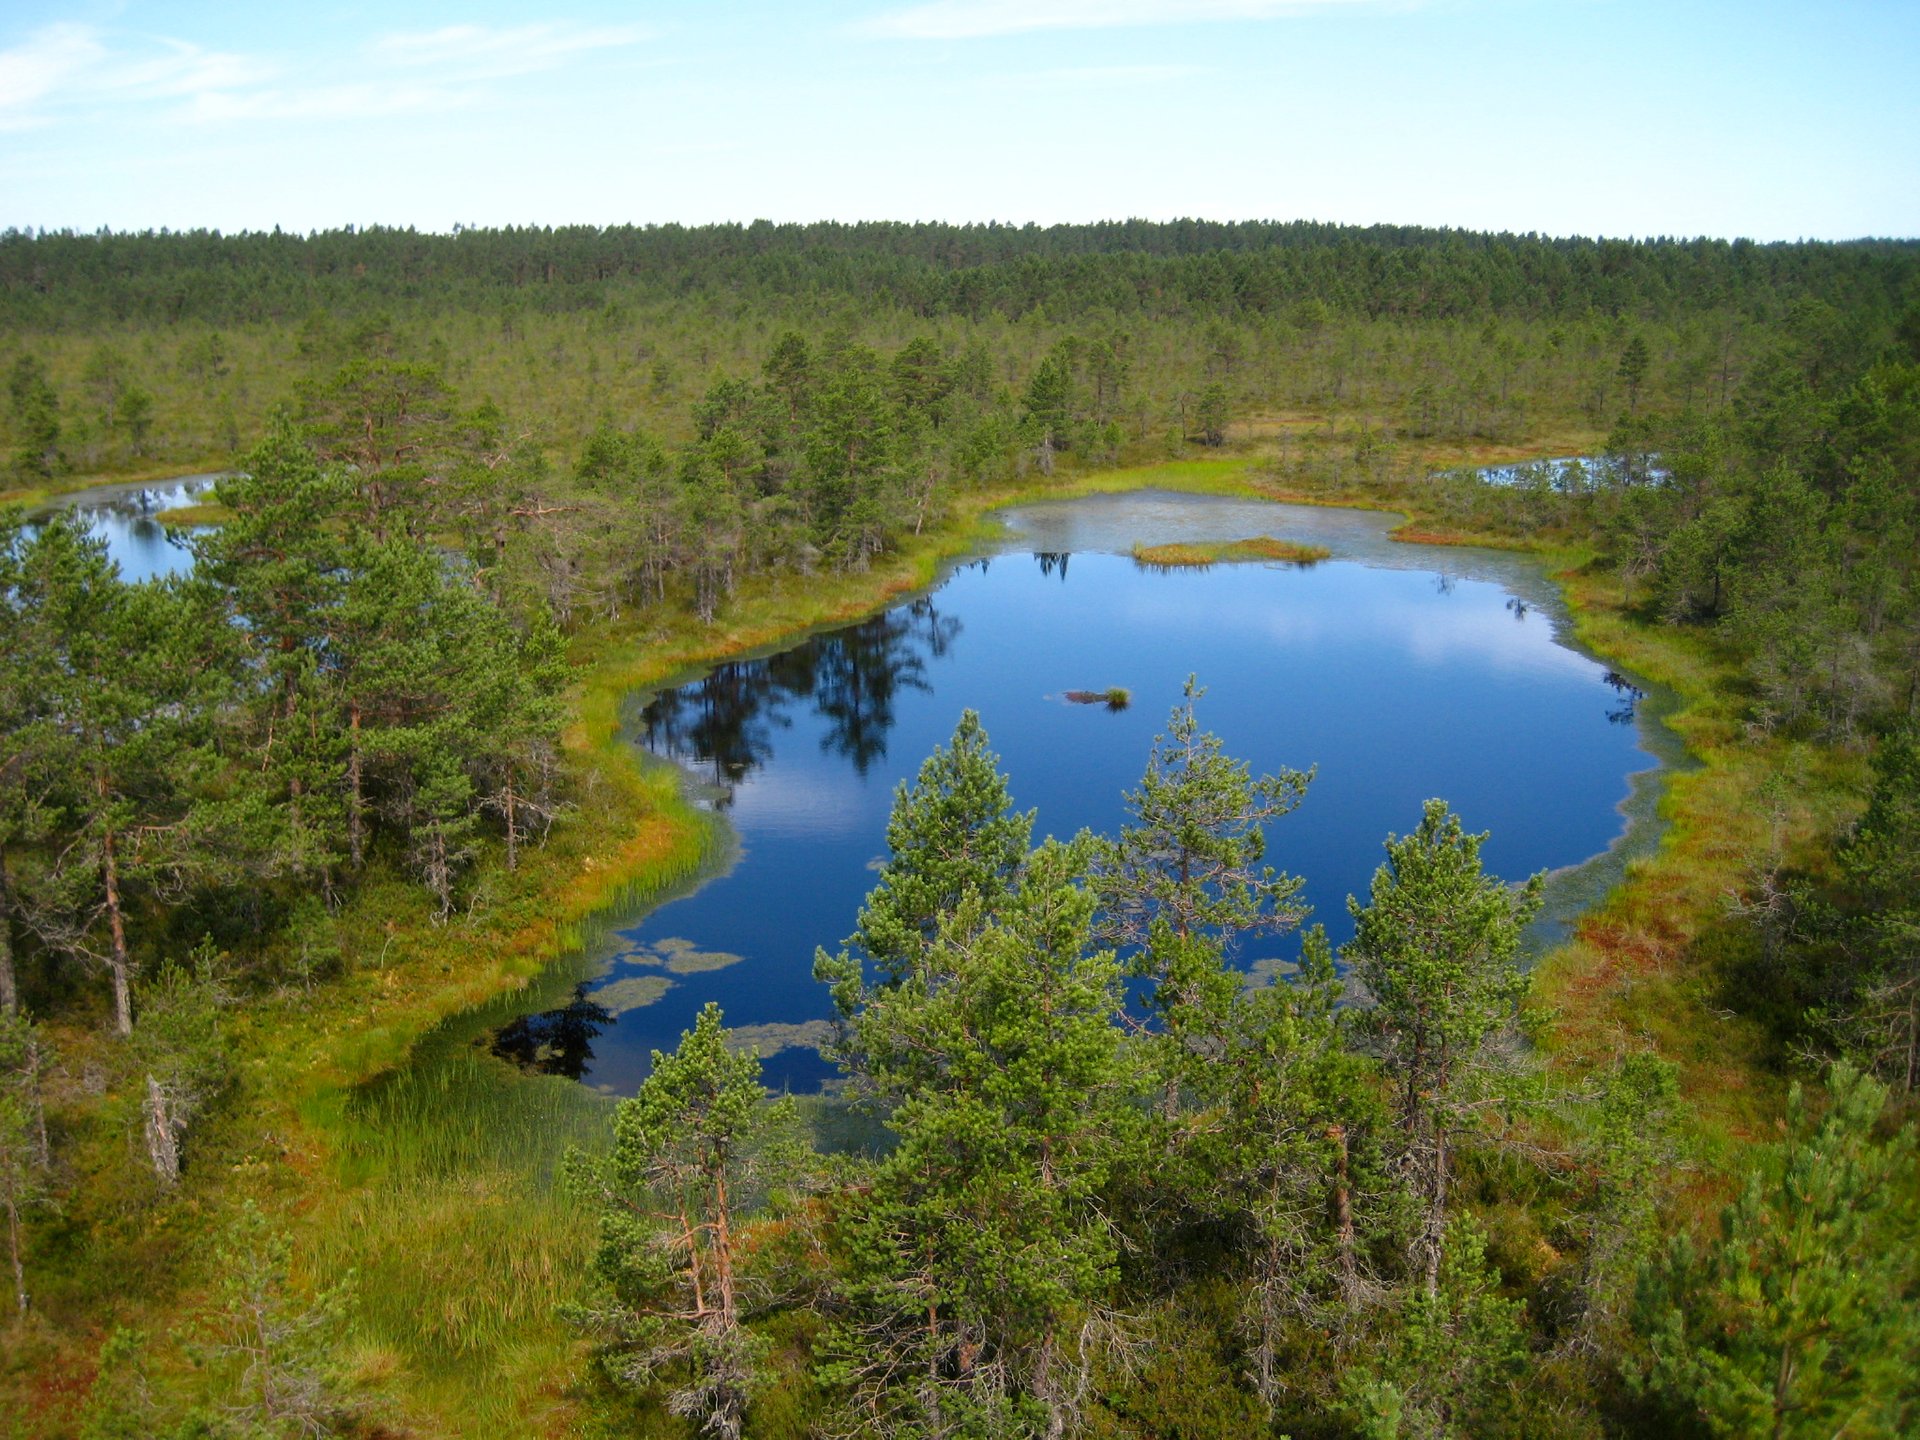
<point x="262" y="830"/>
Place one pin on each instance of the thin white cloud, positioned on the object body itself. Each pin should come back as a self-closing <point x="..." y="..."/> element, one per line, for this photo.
<point x="1091" y="76"/>
<point x="63" y="68"/>
<point x="65" y="65"/>
<point x="483" y="50"/>
<point x="327" y="102"/>
<point x="974" y="19"/>
<point x="43" y="63"/>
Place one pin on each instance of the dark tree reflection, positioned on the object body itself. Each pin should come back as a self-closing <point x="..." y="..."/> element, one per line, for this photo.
<point x="555" y="1042"/>
<point x="725" y="724"/>
<point x="1628" y="698"/>
<point x="1053" y="562"/>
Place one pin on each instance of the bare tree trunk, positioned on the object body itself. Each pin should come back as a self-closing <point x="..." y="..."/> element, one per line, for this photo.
<point x="120" y="963"/>
<point x="1046" y="1388"/>
<point x="513" y="833"/>
<point x="162" y="1146"/>
<point x="1343" y="1220"/>
<point x="356" y="822"/>
<point x="723" y="1255"/>
<point x="13" y="1244"/>
<point x="1433" y="1230"/>
<point x="436" y="867"/>
<point x="9" y="988"/>
<point x="1265" y="1350"/>
<point x="42" y="1152"/>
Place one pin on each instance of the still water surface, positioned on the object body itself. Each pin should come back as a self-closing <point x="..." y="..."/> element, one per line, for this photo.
<point x="1397" y="672"/>
<point x="123" y="516"/>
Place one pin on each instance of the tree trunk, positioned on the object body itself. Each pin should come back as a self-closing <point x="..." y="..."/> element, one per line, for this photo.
<point x="723" y="1255"/>
<point x="1343" y="1220"/>
<point x="9" y="988"/>
<point x="163" y="1147"/>
<point x="13" y="1245"/>
<point x="356" y="822"/>
<point x="42" y="1151"/>
<point x="120" y="963"/>
<point x="513" y="833"/>
<point x="1433" y="1230"/>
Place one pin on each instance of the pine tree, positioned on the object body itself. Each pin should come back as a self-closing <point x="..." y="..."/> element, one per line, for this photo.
<point x="1798" y="1320"/>
<point x="693" y="1151"/>
<point x="127" y="692"/>
<point x="1436" y="950"/>
<point x="1451" y="1367"/>
<point x="24" y="1157"/>
<point x="953" y="833"/>
<point x="182" y="1056"/>
<point x="1289" y="1156"/>
<point x="278" y="565"/>
<point x="1879" y="1022"/>
<point x="1183" y="885"/>
<point x="982" y="1258"/>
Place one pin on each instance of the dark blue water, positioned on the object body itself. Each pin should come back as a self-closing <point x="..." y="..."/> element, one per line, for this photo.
<point x="1399" y="672"/>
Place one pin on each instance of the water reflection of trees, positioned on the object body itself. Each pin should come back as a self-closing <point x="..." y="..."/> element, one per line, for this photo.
<point x="1629" y="696"/>
<point x="555" y="1042"/>
<point x="725" y="724"/>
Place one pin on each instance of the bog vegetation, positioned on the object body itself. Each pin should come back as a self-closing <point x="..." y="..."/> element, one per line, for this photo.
<point x="262" y="825"/>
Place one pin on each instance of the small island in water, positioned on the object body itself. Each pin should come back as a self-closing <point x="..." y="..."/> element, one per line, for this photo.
<point x="1229" y="552"/>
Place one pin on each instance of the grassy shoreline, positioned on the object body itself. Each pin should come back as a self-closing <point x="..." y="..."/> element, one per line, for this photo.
<point x="32" y="496"/>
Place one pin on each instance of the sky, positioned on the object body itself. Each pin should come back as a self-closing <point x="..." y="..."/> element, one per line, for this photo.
<point x="1567" y="117"/>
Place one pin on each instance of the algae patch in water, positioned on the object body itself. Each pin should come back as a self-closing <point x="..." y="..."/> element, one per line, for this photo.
<point x="635" y="992"/>
<point x="680" y="957"/>
<point x="771" y="1039"/>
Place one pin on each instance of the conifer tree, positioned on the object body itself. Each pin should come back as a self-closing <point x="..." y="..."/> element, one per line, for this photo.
<point x="1183" y="885"/>
<point x="24" y="1157"/>
<point x="952" y="833"/>
<point x="278" y="565"/>
<point x="693" y="1151"/>
<point x="1436" y="948"/>
<point x="126" y="683"/>
<point x="1291" y="1156"/>
<point x="1879" y="1022"/>
<point x="982" y="1257"/>
<point x="1798" y="1320"/>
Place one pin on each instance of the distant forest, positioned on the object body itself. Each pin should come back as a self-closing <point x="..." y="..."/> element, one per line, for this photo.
<point x="61" y="279"/>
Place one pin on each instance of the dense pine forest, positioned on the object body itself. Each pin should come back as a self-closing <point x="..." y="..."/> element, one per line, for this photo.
<point x="263" y="827"/>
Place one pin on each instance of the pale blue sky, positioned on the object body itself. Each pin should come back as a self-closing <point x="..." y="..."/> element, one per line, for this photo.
<point x="1616" y="117"/>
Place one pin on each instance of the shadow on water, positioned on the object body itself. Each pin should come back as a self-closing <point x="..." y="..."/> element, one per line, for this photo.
<point x="555" y="1042"/>
<point x="721" y="727"/>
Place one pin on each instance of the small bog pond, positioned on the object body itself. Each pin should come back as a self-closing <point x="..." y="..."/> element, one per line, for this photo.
<point x="1400" y="672"/>
<point x="126" y="517"/>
